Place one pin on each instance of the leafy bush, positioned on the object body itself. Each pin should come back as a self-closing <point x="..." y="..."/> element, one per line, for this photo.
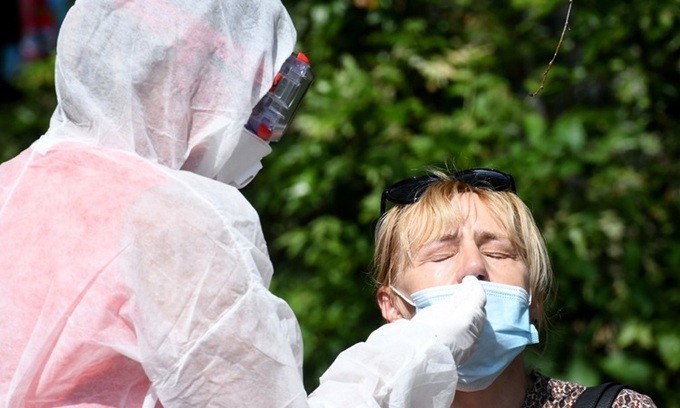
<point x="405" y="85"/>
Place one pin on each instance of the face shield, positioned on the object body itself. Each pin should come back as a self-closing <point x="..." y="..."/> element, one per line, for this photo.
<point x="268" y="121"/>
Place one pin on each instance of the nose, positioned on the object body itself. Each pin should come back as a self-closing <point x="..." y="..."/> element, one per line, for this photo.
<point x="472" y="263"/>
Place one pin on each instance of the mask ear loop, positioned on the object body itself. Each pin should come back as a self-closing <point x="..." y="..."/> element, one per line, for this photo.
<point x="402" y="296"/>
<point x="534" y="321"/>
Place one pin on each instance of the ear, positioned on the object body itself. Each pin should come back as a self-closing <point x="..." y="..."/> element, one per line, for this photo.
<point x="386" y="301"/>
<point x="534" y="311"/>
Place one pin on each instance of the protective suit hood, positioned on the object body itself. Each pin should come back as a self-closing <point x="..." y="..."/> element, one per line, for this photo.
<point x="171" y="81"/>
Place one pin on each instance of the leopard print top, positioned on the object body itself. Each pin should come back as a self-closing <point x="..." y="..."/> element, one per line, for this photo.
<point x="550" y="393"/>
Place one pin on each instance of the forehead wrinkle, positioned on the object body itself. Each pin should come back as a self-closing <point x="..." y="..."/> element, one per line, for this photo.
<point x="487" y="236"/>
<point x="444" y="239"/>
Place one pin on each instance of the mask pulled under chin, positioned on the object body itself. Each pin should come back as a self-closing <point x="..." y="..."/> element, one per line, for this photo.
<point x="506" y="333"/>
<point x="245" y="160"/>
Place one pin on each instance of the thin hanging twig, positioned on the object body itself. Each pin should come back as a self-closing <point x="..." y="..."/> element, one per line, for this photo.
<point x="559" y="44"/>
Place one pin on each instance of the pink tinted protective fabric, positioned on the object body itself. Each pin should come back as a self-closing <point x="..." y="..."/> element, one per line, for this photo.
<point x="61" y="287"/>
<point x="125" y="280"/>
<point x="128" y="282"/>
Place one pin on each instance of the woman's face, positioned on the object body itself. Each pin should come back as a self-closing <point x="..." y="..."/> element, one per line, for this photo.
<point x="479" y="247"/>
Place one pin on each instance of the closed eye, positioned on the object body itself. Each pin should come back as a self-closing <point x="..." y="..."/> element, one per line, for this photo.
<point x="499" y="249"/>
<point x="441" y="250"/>
<point x="499" y="255"/>
<point x="440" y="257"/>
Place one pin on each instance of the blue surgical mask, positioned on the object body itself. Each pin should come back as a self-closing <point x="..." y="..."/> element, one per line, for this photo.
<point x="506" y="332"/>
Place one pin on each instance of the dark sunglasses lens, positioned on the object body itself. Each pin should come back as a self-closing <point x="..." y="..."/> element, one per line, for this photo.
<point x="408" y="191"/>
<point x="493" y="179"/>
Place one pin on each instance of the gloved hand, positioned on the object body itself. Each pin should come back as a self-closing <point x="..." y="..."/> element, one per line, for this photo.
<point x="458" y="321"/>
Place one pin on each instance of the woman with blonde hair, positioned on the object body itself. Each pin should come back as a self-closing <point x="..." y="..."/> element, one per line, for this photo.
<point x="447" y="228"/>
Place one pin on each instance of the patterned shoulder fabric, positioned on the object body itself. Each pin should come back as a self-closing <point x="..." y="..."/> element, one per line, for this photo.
<point x="547" y="392"/>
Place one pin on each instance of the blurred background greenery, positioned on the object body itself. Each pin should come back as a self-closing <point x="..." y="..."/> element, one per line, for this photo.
<point x="403" y="85"/>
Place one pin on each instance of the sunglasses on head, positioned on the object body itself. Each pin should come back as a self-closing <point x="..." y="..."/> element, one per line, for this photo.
<point x="408" y="191"/>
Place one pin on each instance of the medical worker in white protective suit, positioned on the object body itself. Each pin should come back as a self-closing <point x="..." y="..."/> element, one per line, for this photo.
<point x="133" y="273"/>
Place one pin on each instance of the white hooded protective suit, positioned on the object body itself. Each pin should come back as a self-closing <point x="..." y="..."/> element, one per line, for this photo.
<point x="132" y="274"/>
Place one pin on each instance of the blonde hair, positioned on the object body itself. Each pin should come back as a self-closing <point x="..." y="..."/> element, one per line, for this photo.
<point x="404" y="229"/>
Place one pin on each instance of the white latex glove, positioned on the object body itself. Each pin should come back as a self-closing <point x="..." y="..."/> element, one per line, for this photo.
<point x="458" y="322"/>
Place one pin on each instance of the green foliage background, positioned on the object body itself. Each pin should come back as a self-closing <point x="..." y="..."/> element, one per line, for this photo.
<point x="403" y="85"/>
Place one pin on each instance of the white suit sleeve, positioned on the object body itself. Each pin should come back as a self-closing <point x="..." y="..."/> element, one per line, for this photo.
<point x="208" y="330"/>
<point x="401" y="364"/>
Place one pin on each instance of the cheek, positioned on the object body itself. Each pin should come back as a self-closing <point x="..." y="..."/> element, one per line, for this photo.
<point x="510" y="272"/>
<point x="429" y="275"/>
